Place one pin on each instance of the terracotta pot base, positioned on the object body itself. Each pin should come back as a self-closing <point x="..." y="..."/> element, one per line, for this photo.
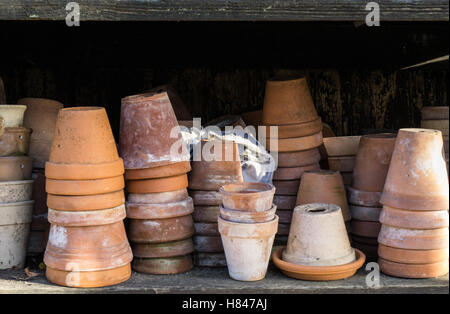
<point x="411" y="239"/>
<point x="413" y="270"/>
<point x="160" y="211"/>
<point x="167" y="249"/>
<point x="299" y="158"/>
<point x="158" y="185"/>
<point x="288" y="187"/>
<point x="285" y="202"/>
<point x="61" y="171"/>
<point x="210" y="259"/>
<point x="368" y="229"/>
<point x="170" y="170"/>
<point x="208" y="244"/>
<point x="206" y="198"/>
<point x="342" y="163"/>
<point x="296" y="143"/>
<point x="163" y="266"/>
<point x="248" y="196"/>
<point x="409" y="219"/>
<point x="86" y="202"/>
<point x="293" y="173"/>
<point x="363" y="198"/>
<point x="365" y="213"/>
<point x="159" y="198"/>
<point x="84" y="187"/>
<point x="206" y="229"/>
<point x="86" y="218"/>
<point x="412" y="256"/>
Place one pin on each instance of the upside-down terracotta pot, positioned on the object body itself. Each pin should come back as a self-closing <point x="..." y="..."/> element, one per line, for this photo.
<point x="16" y="168"/>
<point x="158" y="185"/>
<point x="160" y="230"/>
<point x="288" y="102"/>
<point x="285" y="202"/>
<point x="247" y="247"/>
<point x="363" y="198"/>
<point x="160" y="211"/>
<point x="299" y="158"/>
<point x="414" y="180"/>
<point x="159" y="198"/>
<point x="13" y="115"/>
<point x="413" y="270"/>
<point x="341" y="145"/>
<point x="206" y="198"/>
<point x="84" y="187"/>
<point x="322" y="186"/>
<point x="293" y="173"/>
<point x="435" y="113"/>
<point x="410" y="219"/>
<point x="365" y="213"/>
<point x="208" y="244"/>
<point x="204" y="259"/>
<point x="318" y="237"/>
<point x="369" y="229"/>
<point x="167" y="249"/>
<point x="206" y="229"/>
<point x="163" y="265"/>
<point x="286" y="187"/>
<point x="179" y="107"/>
<point x="248" y="196"/>
<point x="146" y="124"/>
<point x="372" y="161"/>
<point x="412" y="256"/>
<point x="16" y="191"/>
<point x="206" y="213"/>
<point x="413" y="239"/>
<point x="222" y="167"/>
<point x="170" y="170"/>
<point x="85" y="202"/>
<point x="247" y="216"/>
<point x="15" y="142"/>
<point x="300" y="129"/>
<point x="296" y="143"/>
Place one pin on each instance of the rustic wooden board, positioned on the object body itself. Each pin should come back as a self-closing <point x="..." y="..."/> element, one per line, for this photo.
<point x="226" y="10"/>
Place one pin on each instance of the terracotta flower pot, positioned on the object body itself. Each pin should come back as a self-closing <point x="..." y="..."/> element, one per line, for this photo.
<point x="210" y="259"/>
<point x="363" y="198"/>
<point x="300" y="129"/>
<point x="159" y="185"/>
<point x="296" y="143"/>
<point x="13" y="115"/>
<point x="15" y="168"/>
<point x="286" y="187"/>
<point x="16" y="191"/>
<point x="369" y="229"/>
<point x="86" y="202"/>
<point x="299" y="158"/>
<point x="159" y="211"/>
<point x="318" y="237"/>
<point x="342" y="163"/>
<point x="159" y="198"/>
<point x="163" y="266"/>
<point x="15" y="142"/>
<point x="323" y="187"/>
<point x="293" y="173"/>
<point x="415" y="179"/>
<point x="167" y="249"/>
<point x="248" y="196"/>
<point x="284" y="202"/>
<point x="86" y="218"/>
<point x="409" y="219"/>
<point x="146" y="122"/>
<point x="206" y="198"/>
<point x="248" y="216"/>
<point x="365" y="213"/>
<point x="206" y="229"/>
<point x="206" y="213"/>
<point x="412" y="239"/>
<point x="435" y="113"/>
<point x="341" y="145"/>
<point x="170" y="170"/>
<point x="208" y="244"/>
<point x="247" y="248"/>
<point x="413" y="270"/>
<point x="60" y="171"/>
<point x="84" y="187"/>
<point x="412" y="256"/>
<point x="288" y="102"/>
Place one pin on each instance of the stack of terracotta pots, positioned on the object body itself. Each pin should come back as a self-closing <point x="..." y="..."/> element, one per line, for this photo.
<point x="40" y="117"/>
<point x="87" y="245"/>
<point x="414" y="237"/>
<point x="215" y="163"/>
<point x="16" y="184"/>
<point x="247" y="225"/>
<point x="341" y="153"/>
<point x="436" y="117"/>
<point x="289" y="106"/>
<point x="159" y="208"/>
<point x="371" y="167"/>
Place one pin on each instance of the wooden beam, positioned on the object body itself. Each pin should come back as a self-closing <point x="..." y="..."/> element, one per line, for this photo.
<point x="226" y="10"/>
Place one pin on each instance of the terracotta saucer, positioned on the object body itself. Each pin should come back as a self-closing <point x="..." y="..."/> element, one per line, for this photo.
<point x="363" y="198"/>
<point x="158" y="198"/>
<point x="413" y="219"/>
<point x="318" y="273"/>
<point x="59" y="171"/>
<point x="286" y="187"/>
<point x="170" y="170"/>
<point x="166" y="249"/>
<point x="414" y="239"/>
<point x="209" y="259"/>
<point x="431" y="270"/>
<point x="160" y="211"/>
<point x="293" y="173"/>
<point x="206" y="198"/>
<point x="163" y="266"/>
<point x="285" y="202"/>
<point x="296" y="143"/>
<point x="298" y="159"/>
<point x="412" y="256"/>
<point x="157" y="185"/>
<point x="84" y="187"/>
<point x="342" y="163"/>
<point x="86" y="202"/>
<point x="298" y="130"/>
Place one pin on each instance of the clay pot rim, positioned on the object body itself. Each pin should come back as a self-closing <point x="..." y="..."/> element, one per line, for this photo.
<point x="267" y="232"/>
<point x="12" y="106"/>
<point x="16" y="182"/>
<point x="419" y="130"/>
<point x="316" y="208"/>
<point x="82" y="108"/>
<point x="273" y="210"/>
<point x="143" y="97"/>
<point x="380" y="136"/>
<point x="239" y="189"/>
<point x="284" y="79"/>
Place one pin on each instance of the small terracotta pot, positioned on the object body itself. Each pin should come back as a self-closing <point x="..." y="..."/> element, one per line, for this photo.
<point x="247" y="248"/>
<point x="16" y="168"/>
<point x="300" y="129"/>
<point x="372" y="161"/>
<point x="296" y="143"/>
<point x="286" y="187"/>
<point x="435" y="113"/>
<point x="409" y="219"/>
<point x="84" y="187"/>
<point x="363" y="198"/>
<point x="441" y="125"/>
<point x="412" y="256"/>
<point x="86" y="202"/>
<point x="167" y="249"/>
<point x="415" y="179"/>
<point x="206" y="198"/>
<point x="207" y="244"/>
<point x="83" y="136"/>
<point x="341" y="145"/>
<point x="323" y="186"/>
<point x="170" y="170"/>
<point x="369" y="229"/>
<point x="210" y="259"/>
<point x="293" y="173"/>
<point x="86" y="218"/>
<point x="298" y="159"/>
<point x="16" y="191"/>
<point x="163" y="266"/>
<point x="413" y="270"/>
<point x="13" y="115"/>
<point x="159" y="198"/>
<point x="60" y="171"/>
<point x="288" y="102"/>
<point x="412" y="239"/>
<point x="15" y="142"/>
<point x="285" y="216"/>
<point x="206" y="213"/>
<point x="247" y="216"/>
<point x="248" y="196"/>
<point x="146" y="123"/>
<point x="365" y="213"/>
<point x="284" y="202"/>
<point x="160" y="230"/>
<point x="160" y="211"/>
<point x="206" y="229"/>
<point x="318" y="237"/>
<point x="283" y="229"/>
<point x="342" y="163"/>
<point x="158" y="185"/>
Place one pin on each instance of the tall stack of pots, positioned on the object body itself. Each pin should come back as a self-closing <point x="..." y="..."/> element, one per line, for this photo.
<point x="87" y="244"/>
<point x="40" y="117"/>
<point x="371" y="167"/>
<point x="288" y="105"/>
<point x="159" y="209"/>
<point x="16" y="186"/>
<point x="215" y="163"/>
<point x="247" y="225"/>
<point x="414" y="237"/>
<point x="436" y="117"/>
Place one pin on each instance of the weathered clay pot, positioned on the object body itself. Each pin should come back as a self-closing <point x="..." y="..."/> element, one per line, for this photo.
<point x="170" y="170"/>
<point x="204" y="259"/>
<point x="16" y="191"/>
<point x="342" y="163"/>
<point x="435" y="113"/>
<point x="86" y="218"/>
<point x="15" y="219"/>
<point x="146" y="123"/>
<point x="293" y="173"/>
<point x="323" y="186"/>
<point x="369" y="229"/>
<point x="61" y="171"/>
<point x="341" y="145"/>
<point x="15" y="168"/>
<point x="208" y="244"/>
<point x="285" y="201"/>
<point x="160" y="230"/>
<point x="86" y="202"/>
<point x="363" y="198"/>
<point x="159" y="211"/>
<point x="298" y="159"/>
<point x="300" y="129"/>
<point x="223" y="168"/>
<point x="158" y="198"/>
<point x="248" y="196"/>
<point x="167" y="249"/>
<point x="288" y="102"/>
<point x="286" y="187"/>
<point x="206" y="213"/>
<point x="413" y="239"/>
<point x="247" y="247"/>
<point x="15" y="142"/>
<point x="158" y="185"/>
<point x="13" y="115"/>
<point x="179" y="107"/>
<point x="372" y="161"/>
<point x="285" y="216"/>
<point x="412" y="256"/>
<point x="206" y="198"/>
<point x="413" y="270"/>
<point x="296" y="143"/>
<point x="163" y="266"/>
<point x="283" y="229"/>
<point x="365" y="213"/>
<point x="206" y="229"/>
<point x="318" y="237"/>
<point x="415" y="179"/>
<point x="441" y="125"/>
<point x="248" y="216"/>
<point x="409" y="219"/>
<point x="84" y="187"/>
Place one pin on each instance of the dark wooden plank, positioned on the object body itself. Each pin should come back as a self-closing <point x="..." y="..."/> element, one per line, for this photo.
<point x="226" y="10"/>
